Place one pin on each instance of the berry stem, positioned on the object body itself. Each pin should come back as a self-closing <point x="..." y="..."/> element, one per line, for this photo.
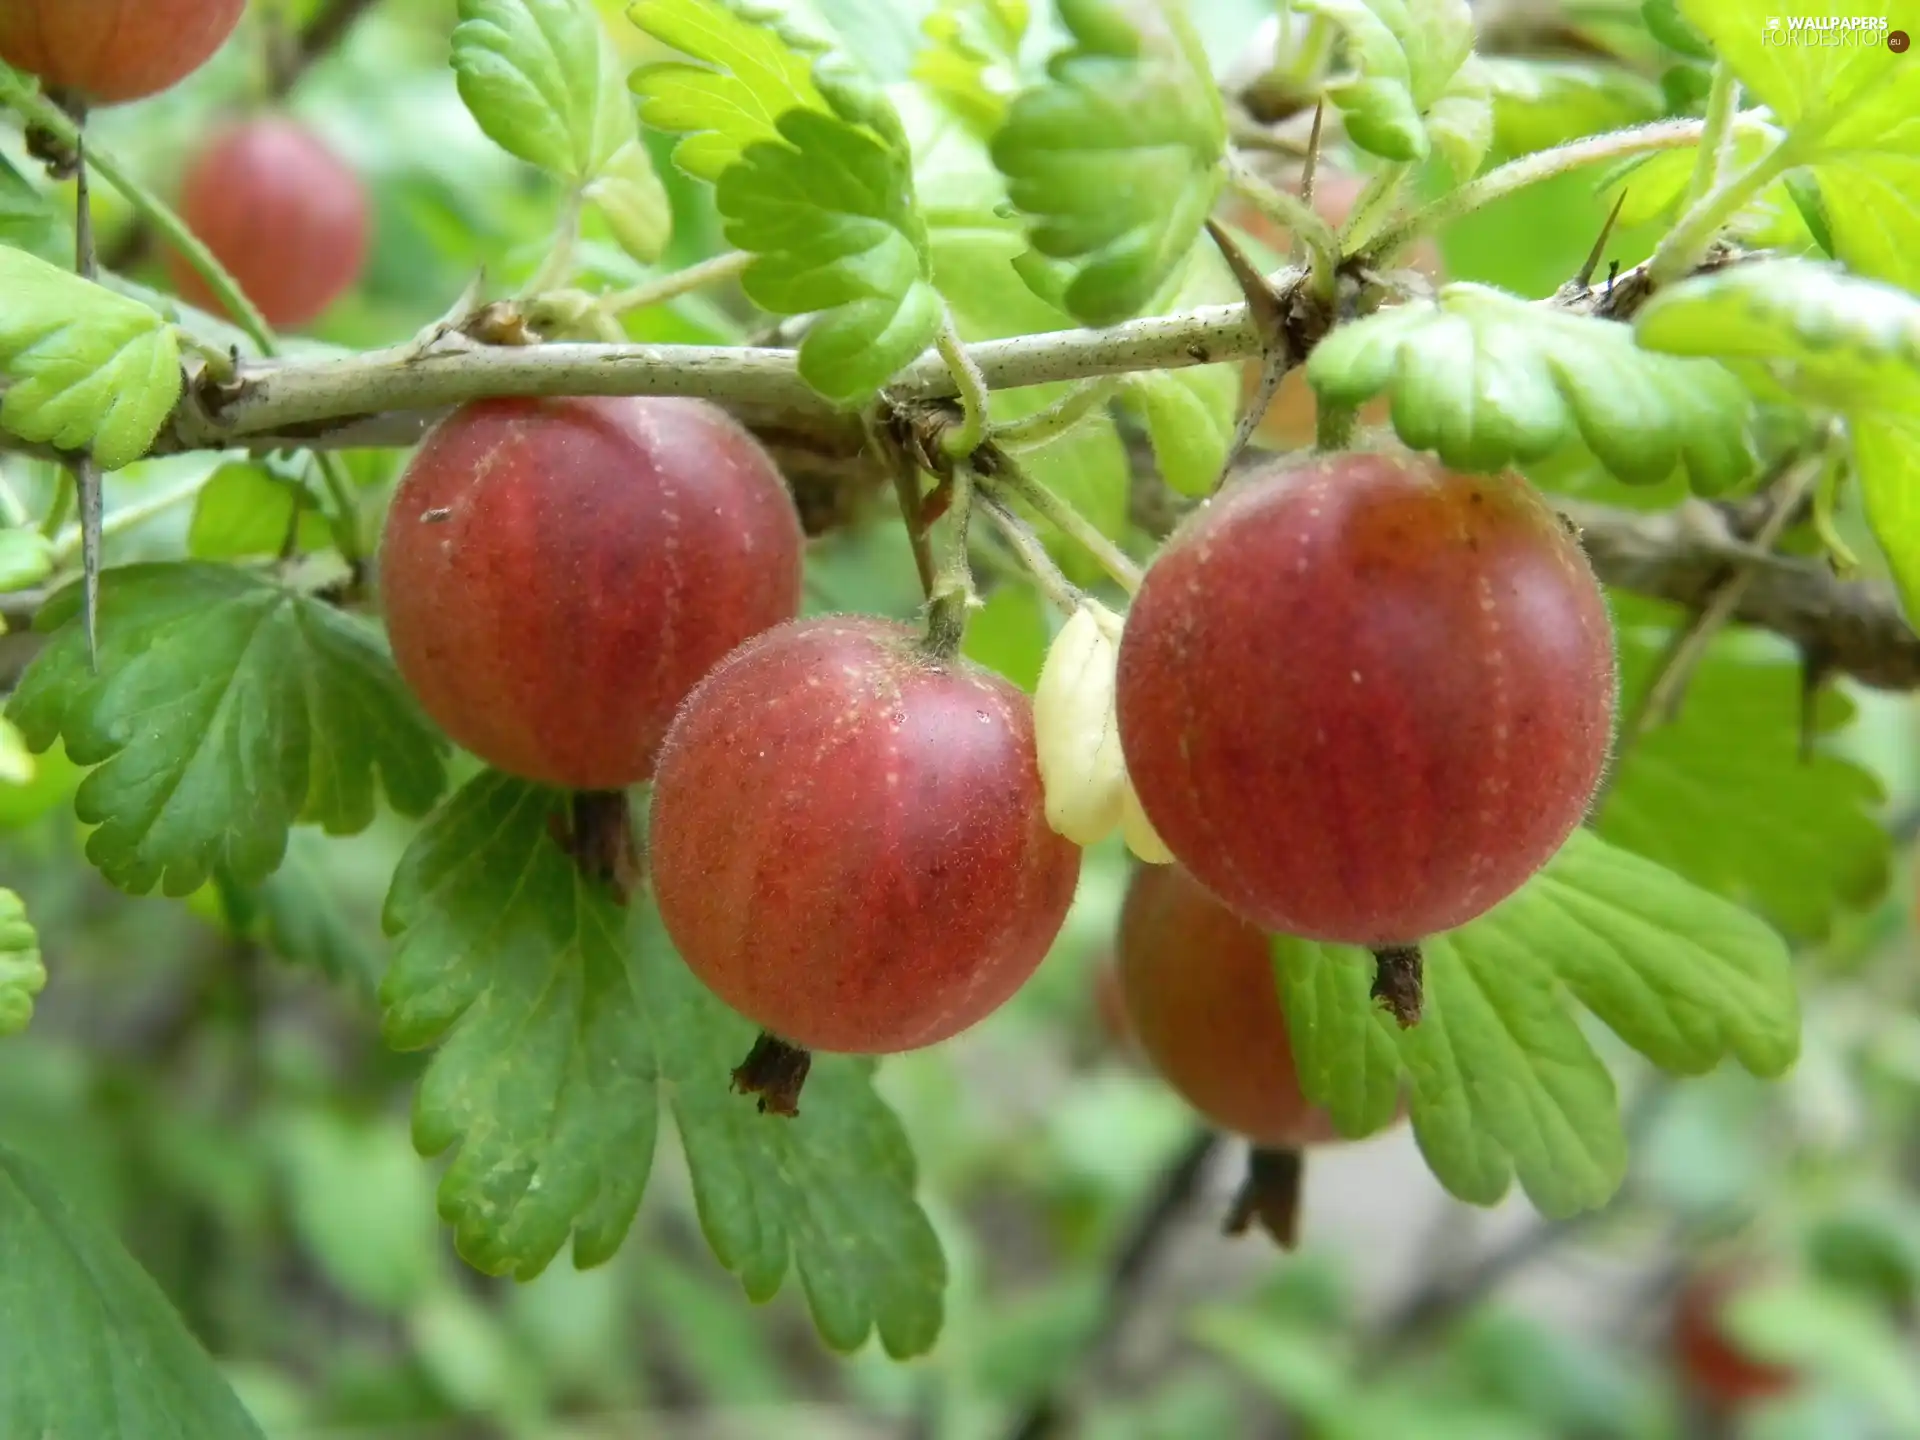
<point x="1065" y="595"/>
<point x="774" y="1071"/>
<point x="1008" y="476"/>
<point x="971" y="386"/>
<point x="557" y="268"/>
<point x="671" y="286"/>
<point x="1398" y="982"/>
<point x="1307" y="225"/>
<point x="1723" y="100"/>
<point x="1060" y="417"/>
<point x="951" y="596"/>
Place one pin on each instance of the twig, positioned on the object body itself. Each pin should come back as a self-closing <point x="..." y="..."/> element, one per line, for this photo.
<point x="1004" y="473"/>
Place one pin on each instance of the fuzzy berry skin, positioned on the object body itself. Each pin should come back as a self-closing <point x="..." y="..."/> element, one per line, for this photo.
<point x="1203" y="1006"/>
<point x="557" y="575"/>
<point x="848" y="840"/>
<point x="286" y="217"/>
<point x="111" y="51"/>
<point x="1363" y="698"/>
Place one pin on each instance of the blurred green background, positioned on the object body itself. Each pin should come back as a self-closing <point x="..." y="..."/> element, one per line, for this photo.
<point x="220" y="1094"/>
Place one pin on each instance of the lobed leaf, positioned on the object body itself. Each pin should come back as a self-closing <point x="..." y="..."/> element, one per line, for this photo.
<point x="225" y="708"/>
<point x="969" y="59"/>
<point x="542" y="78"/>
<point x="1487" y="380"/>
<point x="105" y="1354"/>
<point x="1503" y="1081"/>
<point x="562" y="1023"/>
<point x="91" y="370"/>
<point x="1831" y="339"/>
<point x="1115" y="159"/>
<point x="244" y="511"/>
<point x="22" y="974"/>
<point x="1725" y="796"/>
<point x="1418" y="84"/>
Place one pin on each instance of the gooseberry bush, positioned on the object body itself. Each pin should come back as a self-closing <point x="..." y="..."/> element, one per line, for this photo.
<point x="1459" y="665"/>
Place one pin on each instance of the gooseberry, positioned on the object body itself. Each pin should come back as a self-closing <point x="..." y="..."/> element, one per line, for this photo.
<point x="110" y="51"/>
<point x="558" y="574"/>
<point x="284" y="215"/>
<point x="848" y="842"/>
<point x="1363" y="698"/>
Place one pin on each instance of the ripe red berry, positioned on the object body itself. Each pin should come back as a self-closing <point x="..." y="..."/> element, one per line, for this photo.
<point x="1202" y="1004"/>
<point x="1363" y="699"/>
<point x="285" y="215"/>
<point x="558" y="574"/>
<point x="848" y="840"/>
<point x="1714" y="1367"/>
<point x="111" y="51"/>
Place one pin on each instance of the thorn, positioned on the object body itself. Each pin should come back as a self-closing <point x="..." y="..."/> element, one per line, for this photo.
<point x="1268" y="310"/>
<point x="1311" y="165"/>
<point x="1585" y="277"/>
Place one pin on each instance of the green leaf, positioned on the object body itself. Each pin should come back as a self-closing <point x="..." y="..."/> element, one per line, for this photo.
<point x="1190" y="414"/>
<point x="26" y="558"/>
<point x="1419" y="86"/>
<point x="812" y="177"/>
<point x="1724" y="796"/>
<point x="1872" y="204"/>
<point x="636" y="206"/>
<point x="91" y="369"/>
<point x="1487" y="380"/>
<point x="1541" y="103"/>
<point x="1830" y="339"/>
<point x="1504" y="1082"/>
<point x="1670" y="28"/>
<point x="1654" y="190"/>
<point x="750" y="74"/>
<point x="27" y="216"/>
<point x="563" y="1022"/>
<point x="969" y="60"/>
<point x="244" y="512"/>
<point x="1834" y="97"/>
<point x="22" y="975"/>
<point x="105" y="1356"/>
<point x="1835" y="1337"/>
<point x="1345" y="1048"/>
<point x="542" y="78"/>
<point x="361" y="1204"/>
<point x="1116" y="158"/>
<point x="301" y="916"/>
<point x="225" y="708"/>
<point x="829" y="217"/>
<point x="17" y="765"/>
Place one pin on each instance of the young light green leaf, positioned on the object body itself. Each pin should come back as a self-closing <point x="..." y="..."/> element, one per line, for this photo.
<point x="829" y="217"/>
<point x="106" y="1354"/>
<point x="1116" y="158"/>
<point x="244" y="512"/>
<point x="1418" y="84"/>
<point x="26" y="558"/>
<point x="969" y="59"/>
<point x="542" y="78"/>
<point x="1838" y="89"/>
<point x="1670" y="28"/>
<point x="1190" y="414"/>
<point x="1836" y="1336"/>
<point x="1872" y="210"/>
<point x="1504" y="1082"/>
<point x="636" y="205"/>
<point x="1830" y="338"/>
<point x="91" y="370"/>
<point x="750" y="74"/>
<point x="1345" y="1049"/>
<point x="17" y="763"/>
<point x="22" y="975"/>
<point x="563" y="1022"/>
<point x="27" y="215"/>
<point x="225" y="709"/>
<point x="1724" y="796"/>
<point x="1655" y="188"/>
<point x="1485" y="380"/>
<point x="1542" y="103"/>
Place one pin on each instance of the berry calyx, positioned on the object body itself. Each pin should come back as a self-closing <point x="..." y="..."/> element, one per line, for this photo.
<point x="284" y="215"/>
<point x="111" y="51"/>
<point x="557" y="575"/>
<point x="1364" y="698"/>
<point x="848" y="842"/>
